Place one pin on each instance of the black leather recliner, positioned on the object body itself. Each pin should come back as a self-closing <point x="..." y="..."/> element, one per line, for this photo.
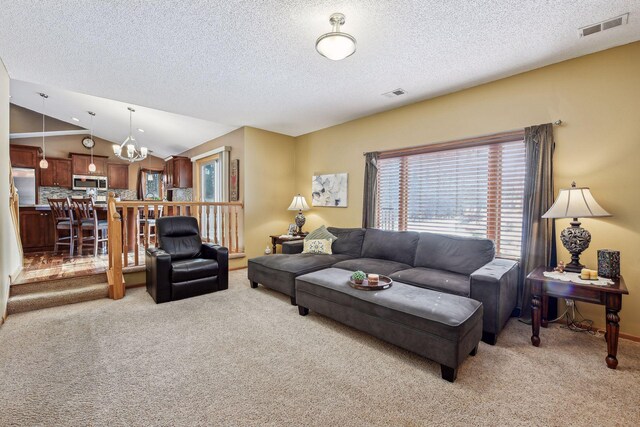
<point x="182" y="266"/>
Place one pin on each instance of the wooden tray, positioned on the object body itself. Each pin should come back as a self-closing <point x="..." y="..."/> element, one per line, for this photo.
<point x="383" y="283"/>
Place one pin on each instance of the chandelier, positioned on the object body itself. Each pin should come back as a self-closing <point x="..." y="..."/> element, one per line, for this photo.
<point x="134" y="153"/>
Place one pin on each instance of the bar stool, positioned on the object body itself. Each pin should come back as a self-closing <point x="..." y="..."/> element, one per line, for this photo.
<point x="63" y="221"/>
<point x="87" y="220"/>
<point x="153" y="215"/>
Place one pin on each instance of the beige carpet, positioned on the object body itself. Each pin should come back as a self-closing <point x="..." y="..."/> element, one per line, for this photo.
<point x="245" y="357"/>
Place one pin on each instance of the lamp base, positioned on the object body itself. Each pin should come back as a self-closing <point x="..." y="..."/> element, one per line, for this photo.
<point x="300" y="220"/>
<point x="576" y="240"/>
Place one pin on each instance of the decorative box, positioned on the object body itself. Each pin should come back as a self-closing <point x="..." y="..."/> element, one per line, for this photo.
<point x="608" y="263"/>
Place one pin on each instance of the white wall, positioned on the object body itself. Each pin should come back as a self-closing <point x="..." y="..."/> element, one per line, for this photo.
<point x="9" y="259"/>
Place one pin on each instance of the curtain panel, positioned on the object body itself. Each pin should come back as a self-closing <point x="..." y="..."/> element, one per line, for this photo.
<point x="538" y="234"/>
<point x="370" y="190"/>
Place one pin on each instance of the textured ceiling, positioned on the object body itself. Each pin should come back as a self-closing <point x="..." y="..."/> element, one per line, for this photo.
<point x="253" y="63"/>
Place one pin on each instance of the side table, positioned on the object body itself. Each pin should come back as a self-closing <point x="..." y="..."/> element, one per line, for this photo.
<point x="279" y="240"/>
<point x="610" y="296"/>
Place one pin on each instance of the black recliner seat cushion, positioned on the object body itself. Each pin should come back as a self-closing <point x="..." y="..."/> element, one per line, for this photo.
<point x="180" y="237"/>
<point x="193" y="269"/>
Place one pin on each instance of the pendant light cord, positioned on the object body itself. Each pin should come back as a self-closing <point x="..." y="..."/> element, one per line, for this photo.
<point x="92" y="142"/>
<point x="43" y="146"/>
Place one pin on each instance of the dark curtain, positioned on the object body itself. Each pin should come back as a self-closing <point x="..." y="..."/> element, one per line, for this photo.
<point x="370" y="190"/>
<point x="538" y="234"/>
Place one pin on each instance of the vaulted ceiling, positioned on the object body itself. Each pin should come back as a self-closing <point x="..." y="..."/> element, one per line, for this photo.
<point x="234" y="63"/>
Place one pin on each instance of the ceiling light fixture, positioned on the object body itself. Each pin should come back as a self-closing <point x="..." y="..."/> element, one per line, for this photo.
<point x="92" y="166"/>
<point x="140" y="130"/>
<point x="134" y="152"/>
<point x="43" y="163"/>
<point x="336" y="45"/>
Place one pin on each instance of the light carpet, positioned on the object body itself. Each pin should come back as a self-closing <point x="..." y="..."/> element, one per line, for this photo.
<point x="245" y="357"/>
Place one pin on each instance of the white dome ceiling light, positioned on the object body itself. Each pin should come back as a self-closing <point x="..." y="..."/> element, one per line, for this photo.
<point x="336" y="45"/>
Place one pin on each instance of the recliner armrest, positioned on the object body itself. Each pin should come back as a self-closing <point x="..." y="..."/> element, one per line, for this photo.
<point x="294" y="247"/>
<point x="158" y="274"/>
<point x="221" y="255"/>
<point x="496" y="286"/>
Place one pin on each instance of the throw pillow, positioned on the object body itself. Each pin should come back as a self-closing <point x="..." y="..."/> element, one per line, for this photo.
<point x="321" y="233"/>
<point x="317" y="246"/>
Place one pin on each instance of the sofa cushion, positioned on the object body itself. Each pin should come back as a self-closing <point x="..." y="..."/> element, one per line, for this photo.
<point x="398" y="246"/>
<point x="349" y="241"/>
<point x="317" y="246"/>
<point x="372" y="265"/>
<point x="462" y="255"/>
<point x="320" y="233"/>
<point x="192" y="269"/>
<point x="438" y="280"/>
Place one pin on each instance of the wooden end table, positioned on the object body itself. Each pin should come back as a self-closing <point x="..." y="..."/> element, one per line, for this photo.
<point x="610" y="296"/>
<point x="278" y="240"/>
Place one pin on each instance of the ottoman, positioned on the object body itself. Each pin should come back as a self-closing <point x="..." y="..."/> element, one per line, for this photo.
<point x="442" y="327"/>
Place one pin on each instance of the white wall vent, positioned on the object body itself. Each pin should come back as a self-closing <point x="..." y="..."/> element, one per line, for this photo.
<point x="604" y="25"/>
<point x="394" y="93"/>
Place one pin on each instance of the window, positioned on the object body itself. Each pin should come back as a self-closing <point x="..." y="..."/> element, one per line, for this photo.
<point x="466" y="189"/>
<point x="152" y="185"/>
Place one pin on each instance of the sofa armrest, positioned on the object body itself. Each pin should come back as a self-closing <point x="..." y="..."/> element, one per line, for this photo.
<point x="158" y="272"/>
<point x="294" y="247"/>
<point x="221" y="255"/>
<point x="495" y="285"/>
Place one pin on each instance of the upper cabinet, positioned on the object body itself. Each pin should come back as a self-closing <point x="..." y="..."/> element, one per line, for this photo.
<point x="179" y="172"/>
<point x="58" y="174"/>
<point x="118" y="175"/>
<point x="23" y="156"/>
<point x="80" y="164"/>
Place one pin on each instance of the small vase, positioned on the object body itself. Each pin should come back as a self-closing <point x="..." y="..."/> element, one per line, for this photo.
<point x="267" y="251"/>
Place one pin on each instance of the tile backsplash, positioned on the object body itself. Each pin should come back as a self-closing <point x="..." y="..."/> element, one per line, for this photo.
<point x="59" y="193"/>
<point x="182" y="194"/>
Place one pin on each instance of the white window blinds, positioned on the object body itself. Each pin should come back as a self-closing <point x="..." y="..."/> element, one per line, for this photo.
<point x="470" y="191"/>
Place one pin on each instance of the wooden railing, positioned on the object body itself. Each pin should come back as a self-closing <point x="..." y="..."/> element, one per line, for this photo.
<point x="131" y="228"/>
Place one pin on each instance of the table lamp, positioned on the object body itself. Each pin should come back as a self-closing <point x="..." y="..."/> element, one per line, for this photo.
<point x="575" y="202"/>
<point x="299" y="204"/>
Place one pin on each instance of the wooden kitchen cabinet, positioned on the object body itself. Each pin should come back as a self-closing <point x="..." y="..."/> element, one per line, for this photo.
<point x="179" y="172"/>
<point x="118" y="175"/>
<point x="36" y="230"/>
<point x="23" y="156"/>
<point x="58" y="174"/>
<point x="80" y="164"/>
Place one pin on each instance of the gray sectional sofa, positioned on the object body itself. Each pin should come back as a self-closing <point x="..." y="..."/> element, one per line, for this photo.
<point x="454" y="265"/>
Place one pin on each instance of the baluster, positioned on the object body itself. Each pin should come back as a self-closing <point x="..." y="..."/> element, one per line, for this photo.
<point x="146" y="226"/>
<point x="222" y="226"/>
<point x="125" y="237"/>
<point x="235" y="210"/>
<point x="136" y="255"/>
<point x="208" y="216"/>
<point x="215" y="225"/>
<point x="156" y="215"/>
<point x="230" y="233"/>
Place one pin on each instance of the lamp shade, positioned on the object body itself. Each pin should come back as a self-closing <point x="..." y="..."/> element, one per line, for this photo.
<point x="298" y="204"/>
<point x="575" y="202"/>
<point x="336" y="46"/>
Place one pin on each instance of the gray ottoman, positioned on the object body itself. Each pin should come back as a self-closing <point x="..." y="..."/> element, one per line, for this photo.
<point x="442" y="327"/>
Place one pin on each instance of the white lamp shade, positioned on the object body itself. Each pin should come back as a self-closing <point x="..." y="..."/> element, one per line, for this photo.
<point x="575" y="202"/>
<point x="336" y="46"/>
<point x="44" y="164"/>
<point x="298" y="204"/>
<point x="92" y="167"/>
<point x="117" y="149"/>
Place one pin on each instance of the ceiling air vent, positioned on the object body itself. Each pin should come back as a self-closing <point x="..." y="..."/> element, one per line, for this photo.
<point x="604" y="25"/>
<point x="394" y="93"/>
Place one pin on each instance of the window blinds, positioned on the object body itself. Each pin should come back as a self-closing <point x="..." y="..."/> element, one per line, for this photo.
<point x="471" y="191"/>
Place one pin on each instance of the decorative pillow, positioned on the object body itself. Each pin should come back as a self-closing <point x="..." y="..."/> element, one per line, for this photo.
<point x="321" y="233"/>
<point x="317" y="246"/>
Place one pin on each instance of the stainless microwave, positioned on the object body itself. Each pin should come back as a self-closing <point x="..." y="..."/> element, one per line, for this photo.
<point x="83" y="182"/>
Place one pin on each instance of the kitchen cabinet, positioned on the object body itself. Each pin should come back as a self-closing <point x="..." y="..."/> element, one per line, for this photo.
<point x="118" y="175"/>
<point x="58" y="174"/>
<point x="36" y="230"/>
<point x="179" y="172"/>
<point x="23" y="156"/>
<point x="80" y="164"/>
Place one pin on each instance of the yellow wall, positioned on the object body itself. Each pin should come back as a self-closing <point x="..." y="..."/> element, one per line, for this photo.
<point x="24" y="120"/>
<point x="598" y="98"/>
<point x="9" y="251"/>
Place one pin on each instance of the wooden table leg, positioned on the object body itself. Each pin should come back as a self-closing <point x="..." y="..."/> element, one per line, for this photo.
<point x="274" y="244"/>
<point x="536" y="290"/>
<point x="614" y="304"/>
<point x="545" y="311"/>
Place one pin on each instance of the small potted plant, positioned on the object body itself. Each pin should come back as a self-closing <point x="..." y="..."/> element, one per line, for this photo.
<point x="358" y="277"/>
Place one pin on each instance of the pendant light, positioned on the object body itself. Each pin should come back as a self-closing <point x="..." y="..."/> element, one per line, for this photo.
<point x="92" y="166"/>
<point x="134" y="152"/>
<point x="43" y="163"/>
<point x="336" y="45"/>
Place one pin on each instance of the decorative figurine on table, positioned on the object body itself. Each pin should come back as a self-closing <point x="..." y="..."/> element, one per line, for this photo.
<point x="560" y="267"/>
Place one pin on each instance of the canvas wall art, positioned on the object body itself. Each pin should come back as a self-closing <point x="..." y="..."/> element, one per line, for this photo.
<point x="329" y="190"/>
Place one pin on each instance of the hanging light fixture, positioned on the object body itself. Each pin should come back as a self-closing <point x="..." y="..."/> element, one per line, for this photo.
<point x="336" y="45"/>
<point x="134" y="152"/>
<point x="43" y="163"/>
<point x="92" y="166"/>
